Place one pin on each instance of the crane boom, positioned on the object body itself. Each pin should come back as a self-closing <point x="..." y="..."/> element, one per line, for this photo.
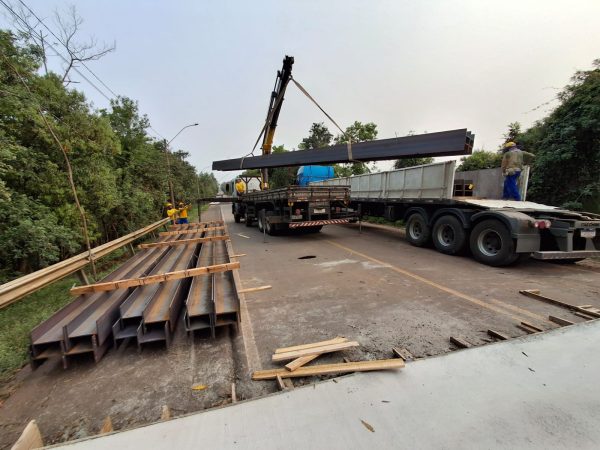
<point x="281" y="82"/>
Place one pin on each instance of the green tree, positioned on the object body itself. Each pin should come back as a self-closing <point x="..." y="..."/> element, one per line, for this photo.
<point x="513" y="133"/>
<point x="567" y="146"/>
<point x="357" y="132"/>
<point x="411" y="162"/>
<point x="480" y="159"/>
<point x="282" y="176"/>
<point x="318" y="137"/>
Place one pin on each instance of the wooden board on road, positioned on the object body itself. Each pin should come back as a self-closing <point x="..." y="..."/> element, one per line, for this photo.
<point x="313" y="351"/>
<point x="336" y="340"/>
<point x="328" y="369"/>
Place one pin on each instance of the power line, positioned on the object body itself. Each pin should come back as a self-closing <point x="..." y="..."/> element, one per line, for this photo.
<point x="30" y="33"/>
<point x="65" y="46"/>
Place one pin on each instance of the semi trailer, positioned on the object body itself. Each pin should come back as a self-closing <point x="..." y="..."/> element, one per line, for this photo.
<point x="453" y="218"/>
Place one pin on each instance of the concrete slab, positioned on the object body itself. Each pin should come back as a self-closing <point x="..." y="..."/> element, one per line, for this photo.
<point x="534" y="392"/>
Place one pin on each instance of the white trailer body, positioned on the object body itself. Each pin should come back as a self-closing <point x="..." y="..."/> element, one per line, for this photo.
<point x="497" y="232"/>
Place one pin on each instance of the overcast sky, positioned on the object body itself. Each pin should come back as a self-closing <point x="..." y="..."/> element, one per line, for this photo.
<point x="404" y="64"/>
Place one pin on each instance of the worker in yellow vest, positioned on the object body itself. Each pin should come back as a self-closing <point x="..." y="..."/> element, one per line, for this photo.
<point x="240" y="186"/>
<point x="183" y="213"/>
<point x="172" y="213"/>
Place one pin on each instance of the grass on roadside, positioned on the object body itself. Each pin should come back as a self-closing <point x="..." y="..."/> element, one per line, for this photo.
<point x="17" y="320"/>
<point x="382" y="221"/>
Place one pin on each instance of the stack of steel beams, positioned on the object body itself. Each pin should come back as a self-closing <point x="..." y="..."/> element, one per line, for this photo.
<point x="146" y="313"/>
<point x="444" y="143"/>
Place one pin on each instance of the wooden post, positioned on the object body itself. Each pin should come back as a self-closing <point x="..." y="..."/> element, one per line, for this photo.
<point x="30" y="438"/>
<point x="131" y="249"/>
<point x="82" y="277"/>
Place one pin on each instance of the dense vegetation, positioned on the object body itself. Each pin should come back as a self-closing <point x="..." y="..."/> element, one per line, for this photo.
<point x="566" y="170"/>
<point x="119" y="170"/>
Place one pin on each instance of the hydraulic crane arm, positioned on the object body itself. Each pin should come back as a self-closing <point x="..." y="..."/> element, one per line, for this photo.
<point x="281" y="82"/>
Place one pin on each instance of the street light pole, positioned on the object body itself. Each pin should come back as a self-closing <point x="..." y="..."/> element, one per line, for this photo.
<point x="169" y="161"/>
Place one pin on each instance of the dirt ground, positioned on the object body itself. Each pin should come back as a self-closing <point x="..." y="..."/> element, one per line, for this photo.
<point x="371" y="287"/>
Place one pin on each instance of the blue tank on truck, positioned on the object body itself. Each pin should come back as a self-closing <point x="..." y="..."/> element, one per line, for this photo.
<point x="309" y="174"/>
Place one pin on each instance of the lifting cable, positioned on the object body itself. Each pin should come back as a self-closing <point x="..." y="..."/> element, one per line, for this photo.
<point x="277" y="102"/>
<point x="305" y="92"/>
<point x="68" y="164"/>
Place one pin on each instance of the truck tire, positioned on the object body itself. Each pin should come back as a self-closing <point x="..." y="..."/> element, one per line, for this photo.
<point x="261" y="220"/>
<point x="492" y="244"/>
<point x="449" y="236"/>
<point x="248" y="219"/>
<point x="417" y="230"/>
<point x="237" y="218"/>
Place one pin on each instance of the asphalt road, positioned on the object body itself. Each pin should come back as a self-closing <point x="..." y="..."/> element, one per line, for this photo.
<point x="371" y="287"/>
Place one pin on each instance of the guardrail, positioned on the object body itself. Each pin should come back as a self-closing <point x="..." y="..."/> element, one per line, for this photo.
<point x="16" y="289"/>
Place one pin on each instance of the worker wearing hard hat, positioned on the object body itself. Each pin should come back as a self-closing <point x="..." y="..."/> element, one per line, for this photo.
<point x="183" y="213"/>
<point x="240" y="186"/>
<point x="172" y="213"/>
<point x="512" y="166"/>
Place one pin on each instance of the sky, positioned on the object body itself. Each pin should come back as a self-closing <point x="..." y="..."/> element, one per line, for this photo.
<point x="407" y="65"/>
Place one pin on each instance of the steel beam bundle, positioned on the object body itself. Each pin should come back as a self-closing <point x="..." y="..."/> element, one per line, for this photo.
<point x="84" y="325"/>
<point x="212" y="300"/>
<point x="444" y="143"/>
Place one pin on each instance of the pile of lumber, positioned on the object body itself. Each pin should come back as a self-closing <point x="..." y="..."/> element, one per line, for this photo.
<point x="300" y="355"/>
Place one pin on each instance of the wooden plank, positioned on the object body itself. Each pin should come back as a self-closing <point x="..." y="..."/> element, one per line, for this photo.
<point x="584" y="315"/>
<point x="559" y="320"/>
<point x="328" y="369"/>
<point x="459" y="342"/>
<point x="165" y="413"/>
<point x="255" y="289"/>
<point x="233" y="393"/>
<point x="20" y="287"/>
<point x="107" y="426"/>
<point x="152" y="279"/>
<point x="313" y="351"/>
<point x="280" y="382"/>
<point x="288" y="383"/>
<point x="185" y="241"/>
<point x="192" y="231"/>
<point x="299" y="362"/>
<point x="30" y="438"/>
<point x="535" y="293"/>
<point x="532" y="326"/>
<point x="239" y="255"/>
<point x="497" y="335"/>
<point x="198" y="224"/>
<point x="336" y="340"/>
<point x="530" y="329"/>
<point x="403" y="353"/>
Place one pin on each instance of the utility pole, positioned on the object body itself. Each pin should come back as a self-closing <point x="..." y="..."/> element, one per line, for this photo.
<point x="169" y="160"/>
<point x="169" y="174"/>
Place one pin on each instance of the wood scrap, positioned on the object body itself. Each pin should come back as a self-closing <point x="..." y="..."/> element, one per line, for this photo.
<point x="255" y="289"/>
<point x="497" y="335"/>
<point x="459" y="342"/>
<point x="560" y="321"/>
<point x="535" y="293"/>
<point x="165" y="413"/>
<point x="403" y="353"/>
<point x="280" y="382"/>
<point x="336" y="340"/>
<point x="529" y="328"/>
<point x="152" y="279"/>
<point x="328" y="369"/>
<point x="107" y="426"/>
<point x="299" y="362"/>
<point x="30" y="438"/>
<point x="313" y="351"/>
<point x="584" y="315"/>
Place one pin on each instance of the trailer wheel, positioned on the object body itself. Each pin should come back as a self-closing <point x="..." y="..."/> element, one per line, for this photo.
<point x="492" y="244"/>
<point x="449" y="236"/>
<point x="417" y="230"/>
<point x="248" y="219"/>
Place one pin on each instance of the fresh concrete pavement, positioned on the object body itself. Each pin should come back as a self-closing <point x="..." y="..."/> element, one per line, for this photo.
<point x="371" y="287"/>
